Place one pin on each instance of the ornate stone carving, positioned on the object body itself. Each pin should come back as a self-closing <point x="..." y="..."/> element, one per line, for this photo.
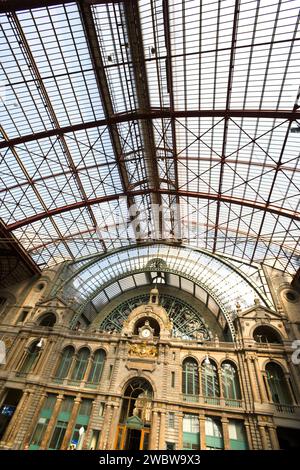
<point x="8" y="340"/>
<point x="142" y="350"/>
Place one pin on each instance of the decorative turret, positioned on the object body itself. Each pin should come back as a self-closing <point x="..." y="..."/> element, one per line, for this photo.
<point x="148" y="321"/>
<point x="154" y="297"/>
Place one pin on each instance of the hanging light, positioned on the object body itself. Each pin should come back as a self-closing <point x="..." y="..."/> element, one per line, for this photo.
<point x="40" y="343"/>
<point x="206" y="360"/>
<point x="297" y="128"/>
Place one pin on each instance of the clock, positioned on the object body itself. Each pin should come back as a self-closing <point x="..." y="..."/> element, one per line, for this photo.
<point x="146" y="333"/>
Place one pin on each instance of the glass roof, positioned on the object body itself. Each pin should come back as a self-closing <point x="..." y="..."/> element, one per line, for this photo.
<point x="110" y="110"/>
<point x="93" y="282"/>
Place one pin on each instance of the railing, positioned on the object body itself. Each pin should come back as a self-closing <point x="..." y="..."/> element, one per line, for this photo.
<point x="21" y="374"/>
<point x="57" y="380"/>
<point x="91" y="385"/>
<point x="215" y="401"/>
<point x="73" y="382"/>
<point x="277" y="346"/>
<point x="190" y="398"/>
<point x="212" y="400"/>
<point x="233" y="403"/>
<point x="290" y="409"/>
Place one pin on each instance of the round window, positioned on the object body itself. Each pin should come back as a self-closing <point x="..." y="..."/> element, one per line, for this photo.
<point x="291" y="295"/>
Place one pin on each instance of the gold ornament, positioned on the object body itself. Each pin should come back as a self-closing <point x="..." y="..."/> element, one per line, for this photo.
<point x="142" y="350"/>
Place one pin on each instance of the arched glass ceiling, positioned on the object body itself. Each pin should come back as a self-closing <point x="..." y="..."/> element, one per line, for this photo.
<point x="200" y="116"/>
<point x="226" y="282"/>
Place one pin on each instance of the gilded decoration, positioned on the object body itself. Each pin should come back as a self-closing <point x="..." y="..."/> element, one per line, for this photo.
<point x="142" y="350"/>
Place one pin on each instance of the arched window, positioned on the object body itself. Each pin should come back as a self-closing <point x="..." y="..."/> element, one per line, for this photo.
<point x="137" y="400"/>
<point x="190" y="377"/>
<point x="49" y="319"/>
<point x="278" y="384"/>
<point x="81" y="364"/>
<point x="230" y="382"/>
<point x="97" y="366"/>
<point x="30" y="358"/>
<point x="65" y="363"/>
<point x="266" y="334"/>
<point x="210" y="381"/>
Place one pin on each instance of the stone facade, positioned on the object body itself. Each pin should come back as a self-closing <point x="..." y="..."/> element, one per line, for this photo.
<point x="157" y="359"/>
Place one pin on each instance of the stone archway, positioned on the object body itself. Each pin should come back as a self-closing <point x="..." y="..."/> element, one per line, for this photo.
<point x="135" y="418"/>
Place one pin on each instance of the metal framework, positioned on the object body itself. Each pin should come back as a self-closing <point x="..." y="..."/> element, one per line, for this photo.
<point x="111" y="107"/>
<point x="89" y="284"/>
<point x="187" y="323"/>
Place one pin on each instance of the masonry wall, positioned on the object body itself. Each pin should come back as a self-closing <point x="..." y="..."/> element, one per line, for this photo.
<point x="259" y="415"/>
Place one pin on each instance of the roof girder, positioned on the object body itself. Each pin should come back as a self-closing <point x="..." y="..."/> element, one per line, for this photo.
<point x="212" y="197"/>
<point x="155" y="114"/>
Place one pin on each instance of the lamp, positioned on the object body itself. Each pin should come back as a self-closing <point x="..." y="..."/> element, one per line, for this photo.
<point x="206" y="360"/>
<point x="296" y="129"/>
<point x="40" y="343"/>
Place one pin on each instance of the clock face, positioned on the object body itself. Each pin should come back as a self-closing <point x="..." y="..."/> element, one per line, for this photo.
<point x="146" y="333"/>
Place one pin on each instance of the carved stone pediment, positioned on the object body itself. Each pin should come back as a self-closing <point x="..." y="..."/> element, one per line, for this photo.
<point x="53" y="303"/>
<point x="260" y="313"/>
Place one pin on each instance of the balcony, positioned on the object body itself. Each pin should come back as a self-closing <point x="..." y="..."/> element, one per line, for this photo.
<point x="190" y="398"/>
<point x="233" y="403"/>
<point x="213" y="401"/>
<point x="288" y="409"/>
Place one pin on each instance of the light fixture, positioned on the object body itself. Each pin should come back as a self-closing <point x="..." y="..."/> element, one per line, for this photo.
<point x="206" y="360"/>
<point x="296" y="129"/>
<point x="40" y="343"/>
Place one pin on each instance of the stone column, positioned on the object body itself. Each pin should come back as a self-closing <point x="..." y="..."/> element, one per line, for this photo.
<point x="273" y="437"/>
<point x="292" y="393"/>
<point x="202" y="431"/>
<point x="37" y="363"/>
<point x="162" y="431"/>
<point x="263" y="437"/>
<point x="17" y="416"/>
<point x="154" y="430"/>
<point x="180" y="430"/>
<point x="200" y="384"/>
<point x="261" y="386"/>
<point x="222" y="400"/>
<point x="15" y="353"/>
<point x="225" y="430"/>
<point x="220" y="382"/>
<point x="26" y="441"/>
<point x="45" y="354"/>
<point x="88" y="368"/>
<point x="295" y="376"/>
<point x="71" y="423"/>
<point x="87" y="437"/>
<point x="18" y="353"/>
<point x="105" y="427"/>
<point x="52" y="422"/>
<point x="248" y="433"/>
<point x="72" y="367"/>
<point x="113" y="427"/>
<point x="252" y="379"/>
